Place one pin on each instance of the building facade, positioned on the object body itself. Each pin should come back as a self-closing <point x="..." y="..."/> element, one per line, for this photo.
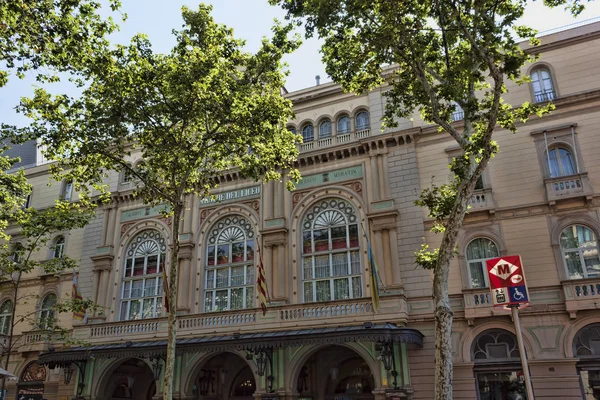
<point x="320" y="337"/>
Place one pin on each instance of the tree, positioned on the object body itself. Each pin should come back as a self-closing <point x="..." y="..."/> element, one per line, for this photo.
<point x="33" y="230"/>
<point x="206" y="107"/>
<point x="45" y="37"/>
<point x="433" y="55"/>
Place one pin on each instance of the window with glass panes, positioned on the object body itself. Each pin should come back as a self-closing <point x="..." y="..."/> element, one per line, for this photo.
<point x="142" y="287"/>
<point x="331" y="266"/>
<point x="343" y="125"/>
<point x="543" y="87"/>
<point x="579" y="247"/>
<point x="47" y="311"/>
<point x="362" y="121"/>
<point x="561" y="162"/>
<point x="5" y="317"/>
<point x="59" y="247"/>
<point x="229" y="279"/>
<point x="478" y="251"/>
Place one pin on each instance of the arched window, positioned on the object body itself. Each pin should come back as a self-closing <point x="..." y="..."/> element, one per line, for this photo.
<point x="308" y="133"/>
<point x="47" y="311"/>
<point x="5" y="317"/>
<point x="331" y="252"/>
<point x="561" y="162"/>
<point x="67" y="191"/>
<point x="142" y="288"/>
<point x="230" y="266"/>
<point x="291" y="129"/>
<point x="478" y="251"/>
<point x="543" y="87"/>
<point x="586" y="347"/>
<point x="126" y="174"/>
<point x="58" y="250"/>
<point x="579" y="247"/>
<point x="343" y="125"/>
<point x="325" y="129"/>
<point x="31" y="384"/>
<point x="497" y="366"/>
<point x="362" y="121"/>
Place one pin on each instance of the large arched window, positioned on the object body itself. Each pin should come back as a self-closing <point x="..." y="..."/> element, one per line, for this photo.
<point x="362" y="121"/>
<point x="579" y="247"/>
<point x="5" y="317"/>
<point x="586" y="347"/>
<point x="561" y="162"/>
<point x="308" y="133"/>
<point x="478" y="251"/>
<point x="543" y="87"/>
<point x="47" y="311"/>
<point x="325" y="129"/>
<point x="343" y="125"/>
<point x="58" y="249"/>
<point x="497" y="366"/>
<point x="229" y="281"/>
<point x="142" y="287"/>
<point x="331" y="252"/>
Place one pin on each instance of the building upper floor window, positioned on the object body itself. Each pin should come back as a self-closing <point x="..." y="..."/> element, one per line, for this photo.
<point x="325" y="129"/>
<point x="362" y="121"/>
<point x="579" y="246"/>
<point x="58" y="250"/>
<point x="47" y="311"/>
<point x="292" y="129"/>
<point x="230" y="266"/>
<point x="343" y="125"/>
<point x="126" y="175"/>
<point x="478" y="251"/>
<point x="543" y="87"/>
<point x="27" y="202"/>
<point x="308" y="133"/>
<point x="67" y="191"/>
<point x="5" y="317"/>
<point x="142" y="287"/>
<point x="331" y="266"/>
<point x="561" y="162"/>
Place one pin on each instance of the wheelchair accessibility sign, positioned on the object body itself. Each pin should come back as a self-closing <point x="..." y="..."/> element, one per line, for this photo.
<point x="507" y="281"/>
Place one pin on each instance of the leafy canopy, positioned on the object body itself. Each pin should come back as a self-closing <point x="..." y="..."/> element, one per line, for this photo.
<point x="205" y="107"/>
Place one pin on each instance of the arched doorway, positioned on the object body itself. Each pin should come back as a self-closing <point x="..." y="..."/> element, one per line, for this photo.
<point x="225" y="376"/>
<point x="132" y="379"/>
<point x="31" y="384"/>
<point x="586" y="347"/>
<point x="335" y="373"/>
<point x="497" y="369"/>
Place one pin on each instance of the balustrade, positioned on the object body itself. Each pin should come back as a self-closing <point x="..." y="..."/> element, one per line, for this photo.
<point x="581" y="294"/>
<point x="335" y="140"/>
<point x="567" y="187"/>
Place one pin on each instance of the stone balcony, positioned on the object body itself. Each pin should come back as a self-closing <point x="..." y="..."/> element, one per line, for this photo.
<point x="287" y="317"/>
<point x="482" y="200"/>
<point x="566" y="187"/>
<point x="334" y="140"/>
<point x="581" y="294"/>
<point x="478" y="304"/>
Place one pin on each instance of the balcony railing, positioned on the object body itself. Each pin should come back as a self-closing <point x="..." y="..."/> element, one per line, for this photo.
<point x="482" y="200"/>
<point x="334" y="313"/>
<point x="478" y="304"/>
<point x="543" y="97"/>
<point x="581" y="294"/>
<point x="335" y="140"/>
<point x="565" y="187"/>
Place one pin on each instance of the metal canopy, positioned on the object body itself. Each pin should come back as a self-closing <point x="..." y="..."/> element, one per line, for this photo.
<point x="367" y="332"/>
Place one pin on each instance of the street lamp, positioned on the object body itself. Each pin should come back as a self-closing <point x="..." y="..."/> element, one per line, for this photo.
<point x="386" y="355"/>
<point x="156" y="368"/>
<point x="205" y="381"/>
<point x="68" y="371"/>
<point x="264" y="358"/>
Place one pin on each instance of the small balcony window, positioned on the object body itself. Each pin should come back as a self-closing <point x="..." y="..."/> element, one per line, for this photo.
<point x="543" y="87"/>
<point x="325" y="129"/>
<point x="308" y="133"/>
<point x="47" y="312"/>
<point x="561" y="162"/>
<point x="362" y="121"/>
<point x="579" y="246"/>
<point x="478" y="251"/>
<point x="59" y="247"/>
<point x="343" y="125"/>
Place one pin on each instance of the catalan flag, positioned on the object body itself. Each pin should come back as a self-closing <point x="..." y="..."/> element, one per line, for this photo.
<point x="374" y="276"/>
<point x="81" y="314"/>
<point x="165" y="287"/>
<point x="261" y="283"/>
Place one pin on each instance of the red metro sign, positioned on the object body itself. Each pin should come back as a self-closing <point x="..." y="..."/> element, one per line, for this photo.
<point x="507" y="280"/>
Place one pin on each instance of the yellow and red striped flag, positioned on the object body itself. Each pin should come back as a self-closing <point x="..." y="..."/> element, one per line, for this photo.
<point x="261" y="282"/>
<point x="165" y="287"/>
<point x="81" y="314"/>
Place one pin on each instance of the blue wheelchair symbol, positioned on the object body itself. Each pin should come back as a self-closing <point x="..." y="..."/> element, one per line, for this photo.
<point x="518" y="294"/>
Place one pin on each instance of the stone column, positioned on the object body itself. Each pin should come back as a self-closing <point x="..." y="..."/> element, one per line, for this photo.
<point x="387" y="258"/>
<point x="395" y="259"/>
<point x="374" y="181"/>
<point x="183" y="295"/>
<point x="381" y="176"/>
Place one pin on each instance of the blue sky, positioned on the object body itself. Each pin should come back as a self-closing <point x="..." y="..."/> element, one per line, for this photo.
<point x="251" y="20"/>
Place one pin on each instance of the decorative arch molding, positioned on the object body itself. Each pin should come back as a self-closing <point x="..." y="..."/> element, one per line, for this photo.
<point x="332" y="191"/>
<point x="102" y="377"/>
<point x="571" y="332"/>
<point x="359" y="109"/>
<point x="222" y="211"/>
<point x="559" y="225"/>
<point x="340" y="114"/>
<point x="302" y="355"/>
<point x="466" y="340"/>
<point x="300" y="125"/>
<point x="322" y="118"/>
<point x="197" y="361"/>
<point x="140" y="226"/>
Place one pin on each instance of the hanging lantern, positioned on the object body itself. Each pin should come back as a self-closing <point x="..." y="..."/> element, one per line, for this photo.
<point x="334" y="372"/>
<point x="261" y="362"/>
<point x="68" y="371"/>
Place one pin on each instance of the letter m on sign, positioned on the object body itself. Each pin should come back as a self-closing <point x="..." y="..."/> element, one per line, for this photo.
<point x="501" y="269"/>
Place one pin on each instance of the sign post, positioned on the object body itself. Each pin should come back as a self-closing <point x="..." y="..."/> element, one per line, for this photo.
<point x="509" y="289"/>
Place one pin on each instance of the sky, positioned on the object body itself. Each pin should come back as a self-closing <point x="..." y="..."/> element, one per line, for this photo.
<point x="251" y="20"/>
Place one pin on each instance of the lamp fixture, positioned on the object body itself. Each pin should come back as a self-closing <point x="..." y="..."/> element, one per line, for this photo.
<point x="206" y="381"/>
<point x="386" y="355"/>
<point x="68" y="372"/>
<point x="264" y="362"/>
<point x="156" y="367"/>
